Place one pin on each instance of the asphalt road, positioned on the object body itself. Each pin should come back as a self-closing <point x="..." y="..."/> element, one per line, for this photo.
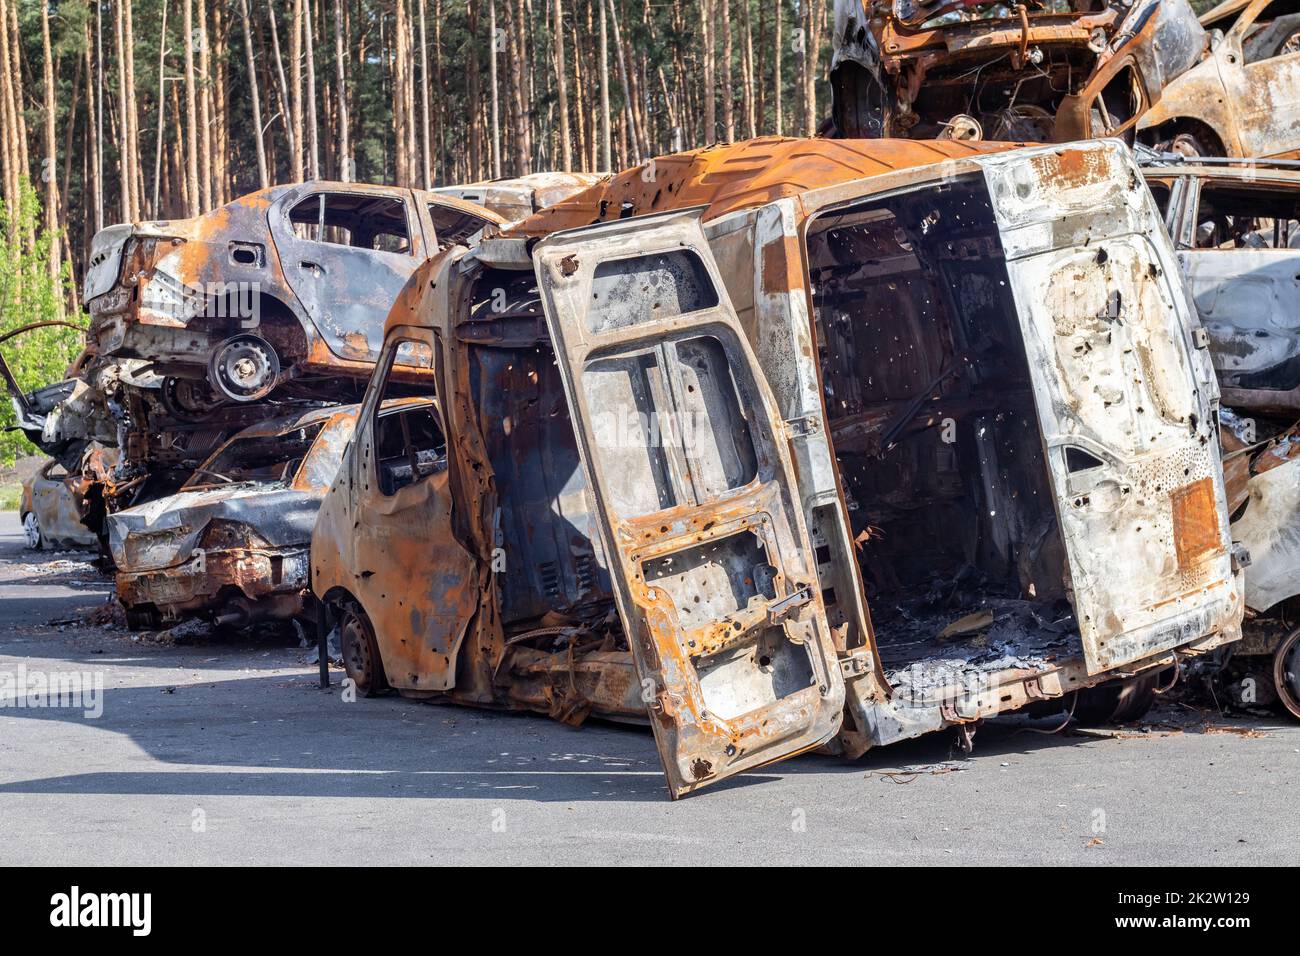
<point x="226" y="751"/>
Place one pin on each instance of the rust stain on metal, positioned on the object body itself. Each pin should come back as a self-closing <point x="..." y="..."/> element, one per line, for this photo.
<point x="1196" y="522"/>
<point x="738" y="176"/>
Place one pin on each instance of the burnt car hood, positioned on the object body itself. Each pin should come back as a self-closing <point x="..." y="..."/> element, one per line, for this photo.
<point x="166" y="532"/>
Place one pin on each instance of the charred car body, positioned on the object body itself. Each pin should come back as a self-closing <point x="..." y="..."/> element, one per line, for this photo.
<point x="233" y="543"/>
<point x="272" y="290"/>
<point x="1038" y="72"/>
<point x="260" y="308"/>
<point x="1243" y="99"/>
<point x="1237" y="230"/>
<point x="797" y="444"/>
<point x="50" y="509"/>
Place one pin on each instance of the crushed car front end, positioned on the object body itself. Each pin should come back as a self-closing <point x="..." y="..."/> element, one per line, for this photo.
<point x="233" y="544"/>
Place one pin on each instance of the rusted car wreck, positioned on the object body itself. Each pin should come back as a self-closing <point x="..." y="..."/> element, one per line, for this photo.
<point x="1031" y="72"/>
<point x="264" y="307"/>
<point x="1243" y="99"/>
<point x="232" y="544"/>
<point x="796" y="444"/>
<point x="1236" y="226"/>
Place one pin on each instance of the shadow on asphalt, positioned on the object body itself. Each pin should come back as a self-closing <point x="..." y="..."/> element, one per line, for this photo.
<point x="276" y="743"/>
<point x="280" y="735"/>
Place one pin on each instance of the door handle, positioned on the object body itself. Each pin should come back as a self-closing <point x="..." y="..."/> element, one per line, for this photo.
<point x="315" y="268"/>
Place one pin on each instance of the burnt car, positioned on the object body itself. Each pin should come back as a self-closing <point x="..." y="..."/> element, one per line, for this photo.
<point x="520" y="197"/>
<point x="1244" y="98"/>
<point x="1236" y="225"/>
<point x="285" y="287"/>
<point x="232" y="544"/>
<point x="1028" y="72"/>
<point x="50" y="509"/>
<point x="257" y="309"/>
<point x="803" y="444"/>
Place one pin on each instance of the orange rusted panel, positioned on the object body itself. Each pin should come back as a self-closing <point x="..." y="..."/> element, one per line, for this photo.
<point x="1196" y="522"/>
<point x="742" y="175"/>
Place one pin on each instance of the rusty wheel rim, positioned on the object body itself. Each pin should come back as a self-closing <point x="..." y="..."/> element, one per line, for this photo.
<point x="358" y="659"/>
<point x="1286" y="673"/>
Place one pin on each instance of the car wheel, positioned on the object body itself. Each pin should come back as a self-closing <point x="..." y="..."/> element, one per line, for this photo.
<point x="360" y="652"/>
<point x="1286" y="672"/>
<point x="1184" y="144"/>
<point x="32" y="532"/>
<point x="244" y="368"/>
<point x="1118" y="702"/>
<point x="142" y="619"/>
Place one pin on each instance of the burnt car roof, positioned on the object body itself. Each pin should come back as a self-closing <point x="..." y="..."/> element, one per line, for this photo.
<point x="263" y="198"/>
<point x="743" y="175"/>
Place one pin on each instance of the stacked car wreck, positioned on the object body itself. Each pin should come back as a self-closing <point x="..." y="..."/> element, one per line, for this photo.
<point x="1237" y="230"/>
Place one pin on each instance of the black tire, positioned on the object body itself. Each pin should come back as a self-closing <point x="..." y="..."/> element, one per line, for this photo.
<point x="1118" y="702"/>
<point x="142" y="619"/>
<point x="360" y="651"/>
<point x="1286" y="673"/>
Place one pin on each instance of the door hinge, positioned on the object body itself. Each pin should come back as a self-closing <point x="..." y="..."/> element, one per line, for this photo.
<point x="856" y="663"/>
<point x="803" y="427"/>
<point x="1201" y="338"/>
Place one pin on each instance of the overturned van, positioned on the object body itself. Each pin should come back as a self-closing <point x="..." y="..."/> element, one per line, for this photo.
<point x="794" y="444"/>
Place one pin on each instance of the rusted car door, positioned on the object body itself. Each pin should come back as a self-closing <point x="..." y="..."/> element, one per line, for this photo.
<point x="415" y="581"/>
<point x="346" y="255"/>
<point x="689" y="472"/>
<point x="1123" y="393"/>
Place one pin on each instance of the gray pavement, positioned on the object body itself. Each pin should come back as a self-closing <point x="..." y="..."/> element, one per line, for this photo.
<point x="226" y="751"/>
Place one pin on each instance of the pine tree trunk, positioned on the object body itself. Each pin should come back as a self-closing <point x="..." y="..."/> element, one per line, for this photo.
<point x="16" y="79"/>
<point x="9" y="115"/>
<point x="313" y="127"/>
<point x="162" y="114"/>
<point x="777" y="56"/>
<point x="606" y="160"/>
<point x="707" y="60"/>
<point x="441" y="112"/>
<point x="747" y="74"/>
<point x="49" y="165"/>
<point x="519" y="90"/>
<point x="132" y="114"/>
<point x="728" y="87"/>
<point x="562" y="87"/>
<point x="813" y="15"/>
<point x="341" y="81"/>
<point x="192" y="194"/>
<point x="221" y="179"/>
<point x="205" y="111"/>
<point x="425" y="86"/>
<point x="286" y="101"/>
<point x="634" y="157"/>
<point x="494" y="44"/>
<point x="126" y="172"/>
<point x="93" y="93"/>
<point x="100" y="173"/>
<point x="295" y="91"/>
<point x="263" y="174"/>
